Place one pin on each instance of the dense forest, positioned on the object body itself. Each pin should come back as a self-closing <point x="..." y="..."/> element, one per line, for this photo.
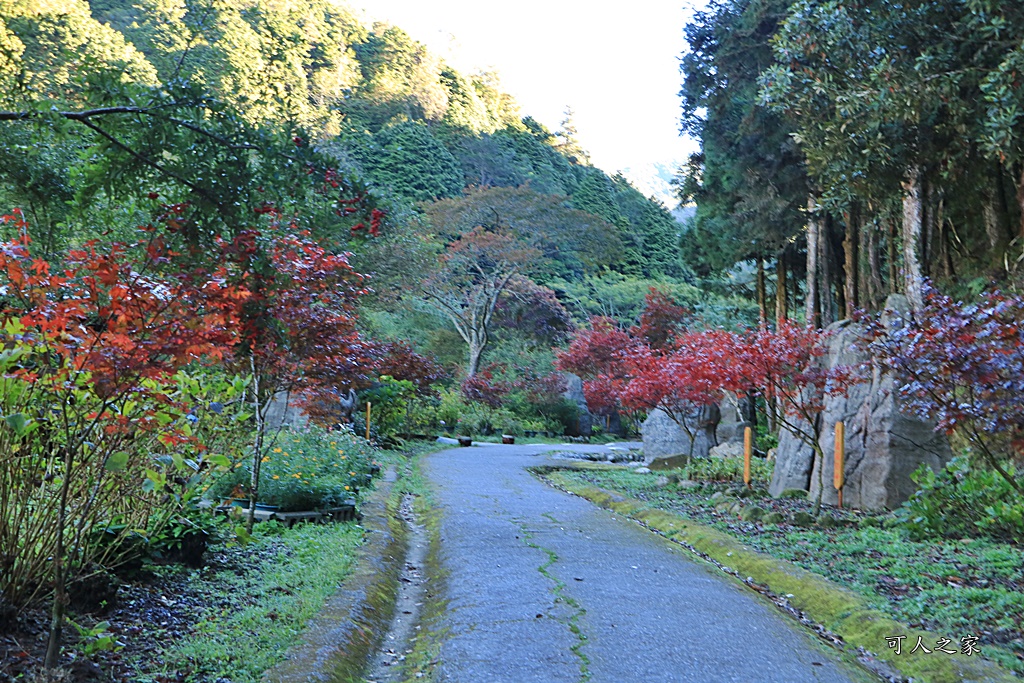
<point x="851" y="150"/>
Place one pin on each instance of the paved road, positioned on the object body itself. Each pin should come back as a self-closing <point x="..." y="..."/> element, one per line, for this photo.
<point x="544" y="587"/>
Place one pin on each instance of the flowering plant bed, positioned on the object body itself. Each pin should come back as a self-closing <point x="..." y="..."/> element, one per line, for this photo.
<point x="312" y="470"/>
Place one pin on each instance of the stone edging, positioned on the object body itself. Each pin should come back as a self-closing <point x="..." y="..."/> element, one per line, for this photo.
<point x="340" y="641"/>
<point x="838" y="609"/>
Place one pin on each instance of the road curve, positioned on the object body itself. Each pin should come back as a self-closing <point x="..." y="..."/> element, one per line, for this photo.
<point x="544" y="587"/>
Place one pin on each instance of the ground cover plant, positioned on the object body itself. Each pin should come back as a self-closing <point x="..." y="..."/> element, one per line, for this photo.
<point x="310" y="469"/>
<point x="232" y="615"/>
<point x="954" y="586"/>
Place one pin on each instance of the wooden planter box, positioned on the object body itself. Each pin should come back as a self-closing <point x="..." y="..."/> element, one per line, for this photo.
<point x="465" y="440"/>
<point x="508" y="440"/>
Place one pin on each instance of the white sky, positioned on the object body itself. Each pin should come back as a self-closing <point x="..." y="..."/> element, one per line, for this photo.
<point x="616" y="65"/>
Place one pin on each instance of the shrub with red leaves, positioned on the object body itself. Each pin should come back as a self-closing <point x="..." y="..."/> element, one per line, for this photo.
<point x="962" y="365"/>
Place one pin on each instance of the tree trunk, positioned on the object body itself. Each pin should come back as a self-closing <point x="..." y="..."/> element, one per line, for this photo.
<point x="60" y="596"/>
<point x="781" y="312"/>
<point x="836" y="239"/>
<point x="913" y="210"/>
<point x="995" y="233"/>
<point x="1020" y="202"/>
<point x="894" y="273"/>
<point x="874" y="276"/>
<point x="931" y="259"/>
<point x="257" y="457"/>
<point x="476" y="352"/>
<point x="943" y="245"/>
<point x="851" y="253"/>
<point x="762" y="297"/>
<point x="811" y="296"/>
<point x="826" y="266"/>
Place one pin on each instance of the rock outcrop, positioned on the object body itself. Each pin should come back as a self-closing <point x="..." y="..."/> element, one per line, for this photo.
<point x="733" y="423"/>
<point x="283" y="412"/>
<point x="574" y="392"/>
<point x="884" y="442"/>
<point x="663" y="437"/>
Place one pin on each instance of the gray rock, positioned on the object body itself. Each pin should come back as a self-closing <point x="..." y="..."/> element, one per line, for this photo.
<point x="730" y="449"/>
<point x="803" y="519"/>
<point x="794" y="460"/>
<point x="284" y="413"/>
<point x="828" y="522"/>
<point x="661" y="482"/>
<point x="885" y="442"/>
<point x="642" y="470"/>
<point x="752" y="514"/>
<point x="774" y="518"/>
<point x="663" y="437"/>
<point x="689" y="484"/>
<point x="574" y="392"/>
<point x="732" y="425"/>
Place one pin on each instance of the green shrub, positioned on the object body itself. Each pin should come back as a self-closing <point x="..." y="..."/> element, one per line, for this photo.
<point x="962" y="501"/>
<point x="306" y="470"/>
<point x="728" y="469"/>
<point x="390" y="399"/>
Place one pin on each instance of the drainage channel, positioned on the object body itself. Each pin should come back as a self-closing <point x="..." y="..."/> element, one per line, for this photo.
<point x="398" y="642"/>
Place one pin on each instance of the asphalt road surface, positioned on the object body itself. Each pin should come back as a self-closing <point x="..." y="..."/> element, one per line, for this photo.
<point x="546" y="587"/>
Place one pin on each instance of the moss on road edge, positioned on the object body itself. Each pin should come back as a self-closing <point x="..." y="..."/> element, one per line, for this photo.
<point x="349" y="628"/>
<point x="840" y="610"/>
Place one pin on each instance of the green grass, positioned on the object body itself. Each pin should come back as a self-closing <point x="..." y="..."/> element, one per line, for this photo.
<point x="261" y="608"/>
<point x="953" y="587"/>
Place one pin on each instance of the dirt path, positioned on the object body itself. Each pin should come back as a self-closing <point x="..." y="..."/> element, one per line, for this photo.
<point x="545" y="587"/>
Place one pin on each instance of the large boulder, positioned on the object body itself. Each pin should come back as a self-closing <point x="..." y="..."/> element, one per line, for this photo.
<point x="574" y="392"/>
<point x="733" y="423"/>
<point x="283" y="412"/>
<point x="884" y="442"/>
<point x="794" y="460"/>
<point x="664" y="438"/>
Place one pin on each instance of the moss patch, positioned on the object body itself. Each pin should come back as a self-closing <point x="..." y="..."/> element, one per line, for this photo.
<point x="842" y="611"/>
<point x="419" y="664"/>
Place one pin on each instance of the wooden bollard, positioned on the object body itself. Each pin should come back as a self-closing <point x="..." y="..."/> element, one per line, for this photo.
<point x="368" y="404"/>
<point x="838" y="470"/>
<point x="748" y="446"/>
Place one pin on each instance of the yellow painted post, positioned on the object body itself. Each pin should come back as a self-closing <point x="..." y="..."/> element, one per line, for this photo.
<point x="748" y="446"/>
<point x="839" y="474"/>
<point x="368" y="404"/>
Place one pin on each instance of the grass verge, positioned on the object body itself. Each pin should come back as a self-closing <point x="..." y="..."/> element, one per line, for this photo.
<point x="259" y="607"/>
<point x="860" y="620"/>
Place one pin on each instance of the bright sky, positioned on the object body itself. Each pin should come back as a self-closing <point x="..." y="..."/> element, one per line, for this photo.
<point x="616" y="65"/>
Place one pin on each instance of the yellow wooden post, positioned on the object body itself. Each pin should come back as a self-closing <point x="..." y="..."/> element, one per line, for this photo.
<point x="748" y="445"/>
<point x="368" y="404"/>
<point x="839" y="474"/>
